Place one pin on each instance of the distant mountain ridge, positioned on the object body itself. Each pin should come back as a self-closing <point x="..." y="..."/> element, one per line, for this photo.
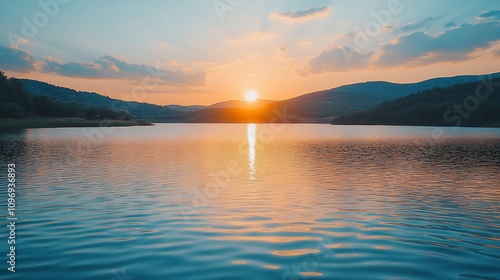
<point x="457" y="105"/>
<point x="363" y="96"/>
<point x="67" y="95"/>
<point x="322" y="106"/>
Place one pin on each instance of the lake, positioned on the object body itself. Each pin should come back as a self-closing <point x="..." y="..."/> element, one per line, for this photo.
<point x="245" y="201"/>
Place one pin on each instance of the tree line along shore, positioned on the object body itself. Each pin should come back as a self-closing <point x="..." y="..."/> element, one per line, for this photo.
<point x="21" y="110"/>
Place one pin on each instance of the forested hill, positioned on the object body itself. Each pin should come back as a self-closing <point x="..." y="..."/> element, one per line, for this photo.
<point x="92" y="99"/>
<point x="468" y="104"/>
<point x="17" y="103"/>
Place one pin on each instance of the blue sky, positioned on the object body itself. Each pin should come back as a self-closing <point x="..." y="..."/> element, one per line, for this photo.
<point x="207" y="51"/>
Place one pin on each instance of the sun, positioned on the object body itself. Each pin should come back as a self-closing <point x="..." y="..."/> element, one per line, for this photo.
<point x="251" y="96"/>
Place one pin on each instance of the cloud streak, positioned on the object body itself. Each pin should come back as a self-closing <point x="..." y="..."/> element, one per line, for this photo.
<point x="295" y="16"/>
<point x="108" y="67"/>
<point x="450" y="25"/>
<point x="495" y="14"/>
<point x="426" y="23"/>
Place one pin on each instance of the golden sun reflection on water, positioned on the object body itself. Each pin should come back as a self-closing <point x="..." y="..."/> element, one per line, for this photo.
<point x="267" y="239"/>
<point x="251" y="129"/>
<point x="312" y="274"/>
<point x="270" y="266"/>
<point x="298" y="252"/>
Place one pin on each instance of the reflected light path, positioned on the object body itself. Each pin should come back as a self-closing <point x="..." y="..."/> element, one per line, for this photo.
<point x="251" y="129"/>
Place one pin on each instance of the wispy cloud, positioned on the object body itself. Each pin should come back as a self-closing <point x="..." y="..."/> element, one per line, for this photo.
<point x="495" y="14"/>
<point x="426" y="23"/>
<point x="253" y="36"/>
<point x="108" y="67"/>
<point x="295" y="16"/>
<point x="281" y="53"/>
<point x="450" y="25"/>
<point x="17" y="60"/>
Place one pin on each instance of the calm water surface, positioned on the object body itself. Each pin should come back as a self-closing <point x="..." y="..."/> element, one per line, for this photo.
<point x="187" y="201"/>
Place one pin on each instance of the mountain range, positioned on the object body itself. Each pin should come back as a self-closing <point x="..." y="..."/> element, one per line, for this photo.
<point x="466" y="104"/>
<point x="316" y="107"/>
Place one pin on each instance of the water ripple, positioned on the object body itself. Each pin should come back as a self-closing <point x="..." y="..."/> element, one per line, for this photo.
<point x="310" y="204"/>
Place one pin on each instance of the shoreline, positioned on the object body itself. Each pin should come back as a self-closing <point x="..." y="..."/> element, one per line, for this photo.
<point x="12" y="125"/>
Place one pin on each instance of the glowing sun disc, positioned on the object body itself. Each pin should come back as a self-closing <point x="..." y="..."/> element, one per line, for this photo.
<point x="251" y="96"/>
